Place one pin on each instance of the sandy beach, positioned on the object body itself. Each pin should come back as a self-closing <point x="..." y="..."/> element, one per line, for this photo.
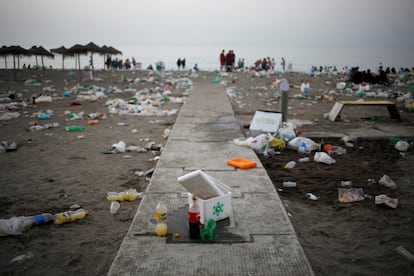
<point x="54" y="169"/>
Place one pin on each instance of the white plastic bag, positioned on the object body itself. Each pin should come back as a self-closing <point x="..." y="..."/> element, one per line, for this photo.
<point x="296" y="142"/>
<point x="323" y="157"/>
<point x="402" y="146"/>
<point x="287" y="132"/>
<point x="259" y="143"/>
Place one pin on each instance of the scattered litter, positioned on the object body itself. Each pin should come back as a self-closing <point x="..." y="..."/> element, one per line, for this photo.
<point x="323" y="157"/>
<point x="405" y="253"/>
<point x="290" y="165"/>
<point x="241" y="163"/>
<point x="384" y="199"/>
<point x="387" y="182"/>
<point x="114" y="207"/>
<point x="22" y="258"/>
<point x="402" y="145"/>
<point x="346" y="183"/>
<point x="311" y="196"/>
<point x="7" y="147"/>
<point x="350" y="195"/>
<point x="129" y="195"/>
<point x="289" y="184"/>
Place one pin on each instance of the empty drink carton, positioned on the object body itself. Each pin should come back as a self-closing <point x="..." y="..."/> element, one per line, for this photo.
<point x="214" y="197"/>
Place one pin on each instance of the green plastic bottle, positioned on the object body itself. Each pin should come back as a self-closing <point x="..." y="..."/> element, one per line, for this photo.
<point x="208" y="231"/>
<point x="75" y="128"/>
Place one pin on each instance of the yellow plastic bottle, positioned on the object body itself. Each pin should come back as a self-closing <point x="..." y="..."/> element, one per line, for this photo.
<point x="129" y="195"/>
<point x="70" y="216"/>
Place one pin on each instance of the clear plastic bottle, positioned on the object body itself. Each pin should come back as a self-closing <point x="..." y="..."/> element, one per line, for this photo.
<point x="161" y="212"/>
<point x="194" y="219"/>
<point x="304" y="159"/>
<point x="16" y="225"/>
<point x="70" y="216"/>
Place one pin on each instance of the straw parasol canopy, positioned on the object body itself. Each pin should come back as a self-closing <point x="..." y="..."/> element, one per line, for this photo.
<point x="79" y="49"/>
<point x="40" y="51"/>
<point x="62" y="50"/>
<point x="16" y="51"/>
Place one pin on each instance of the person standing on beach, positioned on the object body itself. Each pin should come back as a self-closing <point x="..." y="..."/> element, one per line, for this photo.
<point x="179" y="63"/>
<point x="222" y="60"/>
<point x="283" y="63"/>
<point x="108" y="62"/>
<point x="183" y="63"/>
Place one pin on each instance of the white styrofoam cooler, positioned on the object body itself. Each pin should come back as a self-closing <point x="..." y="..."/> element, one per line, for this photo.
<point x="215" y="203"/>
<point x="265" y="121"/>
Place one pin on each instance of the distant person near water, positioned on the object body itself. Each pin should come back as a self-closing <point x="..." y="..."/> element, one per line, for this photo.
<point x="222" y="60"/>
<point x="283" y="63"/>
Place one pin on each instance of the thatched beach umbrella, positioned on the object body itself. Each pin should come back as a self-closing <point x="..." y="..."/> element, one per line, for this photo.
<point x="3" y="52"/>
<point x="62" y="51"/>
<point x="40" y="51"/>
<point x="84" y="50"/>
<point x="15" y="51"/>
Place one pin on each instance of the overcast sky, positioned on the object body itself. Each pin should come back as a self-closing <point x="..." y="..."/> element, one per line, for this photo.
<point x="287" y="23"/>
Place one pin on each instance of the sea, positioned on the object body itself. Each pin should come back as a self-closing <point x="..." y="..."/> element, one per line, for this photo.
<point x="207" y="58"/>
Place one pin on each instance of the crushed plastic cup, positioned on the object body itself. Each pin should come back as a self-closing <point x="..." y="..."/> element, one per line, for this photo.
<point x="114" y="207"/>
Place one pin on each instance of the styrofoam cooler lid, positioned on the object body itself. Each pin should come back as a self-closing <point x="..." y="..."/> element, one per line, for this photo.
<point x="200" y="184"/>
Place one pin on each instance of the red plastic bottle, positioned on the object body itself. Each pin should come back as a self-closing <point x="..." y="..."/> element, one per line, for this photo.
<point x="194" y="219"/>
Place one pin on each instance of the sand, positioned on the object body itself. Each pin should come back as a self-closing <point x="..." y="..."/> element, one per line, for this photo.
<point x="53" y="169"/>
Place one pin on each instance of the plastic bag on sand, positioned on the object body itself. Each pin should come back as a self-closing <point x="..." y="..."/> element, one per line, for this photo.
<point x="277" y="143"/>
<point x="287" y="132"/>
<point x="402" y="146"/>
<point x="295" y="143"/>
<point x="387" y="182"/>
<point x="259" y="143"/>
<point x="120" y="146"/>
<point x="323" y="157"/>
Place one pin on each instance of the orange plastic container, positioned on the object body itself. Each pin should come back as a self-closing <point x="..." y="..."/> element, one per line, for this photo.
<point x="241" y="163"/>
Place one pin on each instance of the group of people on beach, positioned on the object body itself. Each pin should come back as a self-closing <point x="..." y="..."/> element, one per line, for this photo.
<point x="119" y="63"/>
<point x="227" y="61"/>
<point x="268" y="63"/>
<point x="181" y="63"/>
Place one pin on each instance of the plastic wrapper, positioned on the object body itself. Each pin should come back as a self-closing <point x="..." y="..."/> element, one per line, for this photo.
<point x="350" y="195"/>
<point x="386" y="200"/>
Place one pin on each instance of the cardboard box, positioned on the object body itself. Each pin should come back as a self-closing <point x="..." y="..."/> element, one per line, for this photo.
<point x="264" y="122"/>
<point x="213" y="197"/>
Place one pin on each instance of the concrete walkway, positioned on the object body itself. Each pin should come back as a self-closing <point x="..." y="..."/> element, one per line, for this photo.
<point x="259" y="240"/>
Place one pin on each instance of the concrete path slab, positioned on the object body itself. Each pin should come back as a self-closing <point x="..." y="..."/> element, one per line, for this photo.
<point x="259" y="238"/>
